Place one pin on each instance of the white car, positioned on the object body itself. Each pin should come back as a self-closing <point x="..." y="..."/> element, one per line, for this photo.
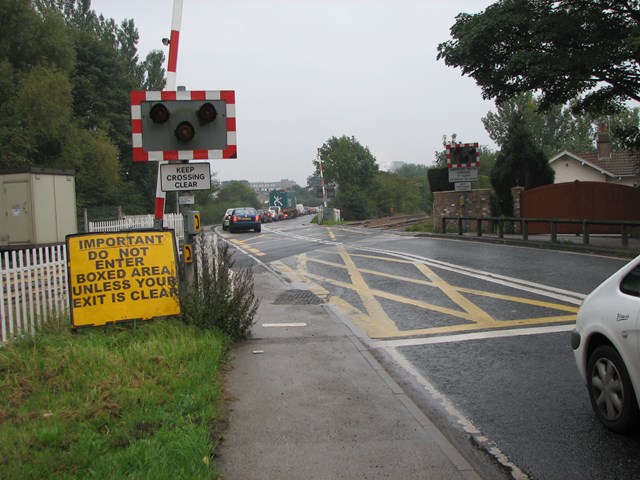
<point x="606" y="346"/>
<point x="225" y="219"/>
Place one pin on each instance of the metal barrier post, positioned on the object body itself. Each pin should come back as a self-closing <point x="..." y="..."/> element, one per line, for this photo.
<point x="585" y="233"/>
<point x="625" y="237"/>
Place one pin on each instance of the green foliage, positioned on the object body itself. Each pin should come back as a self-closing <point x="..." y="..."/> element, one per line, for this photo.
<point x="421" y="227"/>
<point x="65" y="78"/>
<point x="353" y="169"/>
<point x="130" y="401"/>
<point x="306" y="196"/>
<point x="232" y="194"/>
<point x="554" y="130"/>
<point x="520" y="163"/>
<point x="347" y="163"/>
<point x="222" y="299"/>
<point x="564" y="49"/>
<point x="418" y="174"/>
<point x="397" y="194"/>
<point x="355" y="204"/>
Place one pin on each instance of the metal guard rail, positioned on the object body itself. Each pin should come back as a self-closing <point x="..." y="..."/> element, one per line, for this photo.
<point x="554" y="222"/>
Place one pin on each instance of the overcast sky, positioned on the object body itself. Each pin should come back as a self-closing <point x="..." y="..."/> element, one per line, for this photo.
<point x="307" y="70"/>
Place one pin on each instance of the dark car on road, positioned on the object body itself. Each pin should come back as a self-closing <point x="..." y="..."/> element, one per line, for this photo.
<point x="264" y="216"/>
<point x="244" y="218"/>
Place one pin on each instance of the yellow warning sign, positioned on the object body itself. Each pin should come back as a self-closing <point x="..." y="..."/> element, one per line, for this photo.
<point x="115" y="277"/>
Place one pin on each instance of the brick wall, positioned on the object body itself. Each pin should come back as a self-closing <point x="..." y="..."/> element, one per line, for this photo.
<point x="476" y="203"/>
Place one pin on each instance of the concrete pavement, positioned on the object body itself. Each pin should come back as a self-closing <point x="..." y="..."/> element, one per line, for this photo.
<point x="308" y="401"/>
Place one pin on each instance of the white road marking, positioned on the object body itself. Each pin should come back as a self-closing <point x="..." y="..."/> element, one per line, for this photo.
<point x="515" y="332"/>
<point x="282" y="325"/>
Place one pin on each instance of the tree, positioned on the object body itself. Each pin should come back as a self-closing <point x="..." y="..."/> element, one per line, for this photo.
<point x="418" y="175"/>
<point x="397" y="194"/>
<point x="352" y="167"/>
<point x="237" y="194"/>
<point x="567" y="49"/>
<point x="520" y="163"/>
<point x="553" y="130"/>
<point x="347" y="163"/>
<point x="65" y="78"/>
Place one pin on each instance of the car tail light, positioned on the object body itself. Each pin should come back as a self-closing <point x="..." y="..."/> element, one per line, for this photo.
<point x="257" y="218"/>
<point x="235" y="219"/>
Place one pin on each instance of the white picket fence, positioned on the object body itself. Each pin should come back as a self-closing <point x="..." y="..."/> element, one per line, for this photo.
<point x="33" y="282"/>
<point x="130" y="222"/>
<point x="33" y="289"/>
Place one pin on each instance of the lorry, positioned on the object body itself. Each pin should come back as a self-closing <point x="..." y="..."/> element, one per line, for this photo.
<point x="284" y="199"/>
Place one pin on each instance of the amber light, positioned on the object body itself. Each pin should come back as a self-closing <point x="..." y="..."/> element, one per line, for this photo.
<point x="184" y="132"/>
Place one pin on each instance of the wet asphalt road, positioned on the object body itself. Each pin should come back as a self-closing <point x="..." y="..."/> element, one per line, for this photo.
<point x="522" y="394"/>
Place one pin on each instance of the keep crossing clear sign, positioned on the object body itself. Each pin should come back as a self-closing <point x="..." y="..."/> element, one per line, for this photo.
<point x="115" y="277"/>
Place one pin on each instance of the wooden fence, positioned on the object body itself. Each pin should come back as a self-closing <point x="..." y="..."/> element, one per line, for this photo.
<point x="33" y="289"/>
<point x="521" y="226"/>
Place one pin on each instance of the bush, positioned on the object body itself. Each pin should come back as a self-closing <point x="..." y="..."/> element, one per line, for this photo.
<point x="218" y="297"/>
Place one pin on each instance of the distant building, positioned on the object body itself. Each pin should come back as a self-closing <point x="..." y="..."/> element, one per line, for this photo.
<point x="268" y="186"/>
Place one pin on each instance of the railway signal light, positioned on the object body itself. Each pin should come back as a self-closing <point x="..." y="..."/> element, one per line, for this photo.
<point x="463" y="154"/>
<point x="183" y="125"/>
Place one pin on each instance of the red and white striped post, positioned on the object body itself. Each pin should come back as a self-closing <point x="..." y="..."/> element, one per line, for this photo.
<point x="172" y="63"/>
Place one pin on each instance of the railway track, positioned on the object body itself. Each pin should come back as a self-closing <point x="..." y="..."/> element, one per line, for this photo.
<point x="395" y="222"/>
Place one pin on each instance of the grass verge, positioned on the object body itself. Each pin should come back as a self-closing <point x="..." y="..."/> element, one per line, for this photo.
<point x="130" y="401"/>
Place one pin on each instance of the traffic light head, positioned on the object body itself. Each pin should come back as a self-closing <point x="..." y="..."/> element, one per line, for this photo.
<point x="196" y="125"/>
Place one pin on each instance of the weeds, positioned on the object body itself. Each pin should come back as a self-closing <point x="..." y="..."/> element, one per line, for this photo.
<point x="421" y="227"/>
<point x="220" y="298"/>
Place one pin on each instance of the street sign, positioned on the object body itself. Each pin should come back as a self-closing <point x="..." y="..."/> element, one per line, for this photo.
<point x="121" y="276"/>
<point x="175" y="177"/>
<point x="463" y="186"/>
<point x="186" y="200"/>
<point x="463" y="174"/>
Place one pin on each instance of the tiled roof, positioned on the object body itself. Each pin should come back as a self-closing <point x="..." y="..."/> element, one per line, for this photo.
<point x="620" y="163"/>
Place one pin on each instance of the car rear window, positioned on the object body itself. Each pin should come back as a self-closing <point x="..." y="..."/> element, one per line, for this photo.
<point x="245" y="211"/>
<point x="631" y="283"/>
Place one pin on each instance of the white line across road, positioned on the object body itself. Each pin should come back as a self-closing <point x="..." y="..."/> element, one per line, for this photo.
<point x="283" y="325"/>
<point x="463" y="337"/>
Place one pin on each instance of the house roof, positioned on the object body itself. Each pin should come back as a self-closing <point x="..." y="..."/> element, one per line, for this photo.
<point x="621" y="164"/>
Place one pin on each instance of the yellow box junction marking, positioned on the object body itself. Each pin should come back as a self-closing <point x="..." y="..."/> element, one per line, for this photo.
<point x="115" y="277"/>
<point x="244" y="245"/>
<point x="377" y="324"/>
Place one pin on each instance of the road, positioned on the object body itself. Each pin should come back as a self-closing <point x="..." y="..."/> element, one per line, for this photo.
<point x="476" y="333"/>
